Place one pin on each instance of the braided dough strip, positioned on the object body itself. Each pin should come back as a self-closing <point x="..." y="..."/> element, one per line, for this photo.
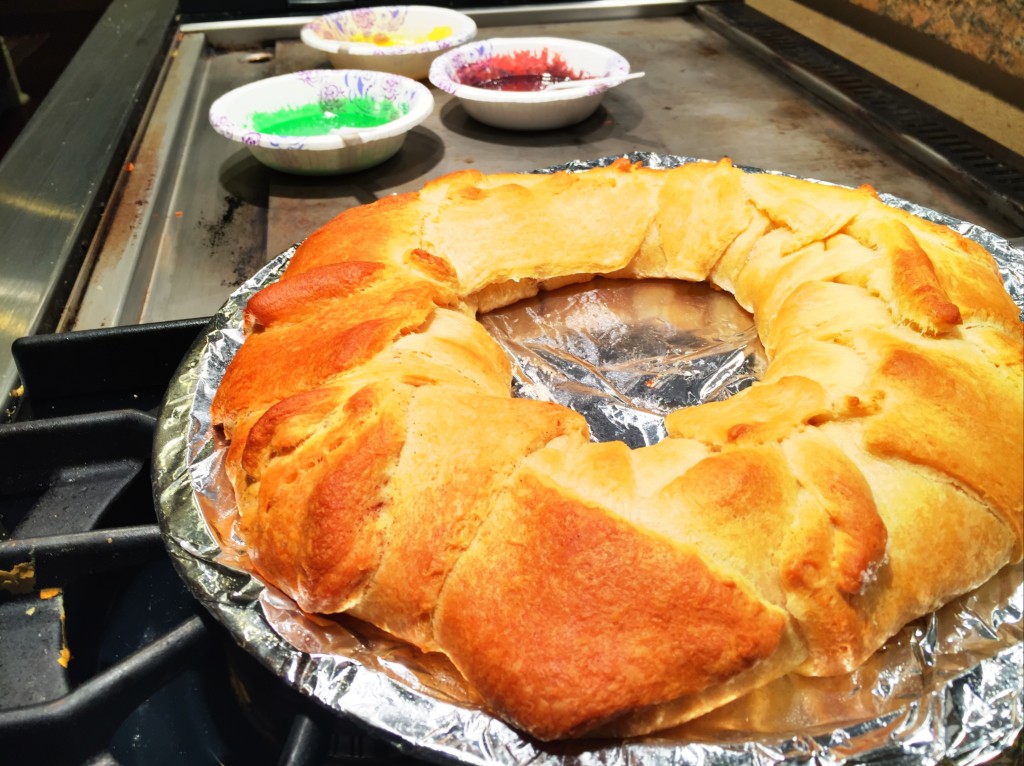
<point x="381" y="467"/>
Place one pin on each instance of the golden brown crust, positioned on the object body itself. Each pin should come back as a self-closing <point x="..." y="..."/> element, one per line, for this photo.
<point x="762" y="413"/>
<point x="965" y="271"/>
<point x="700" y="211"/>
<point x="935" y="401"/>
<point x="384" y="231"/>
<point x="439" y="504"/>
<point x="309" y="328"/>
<point x="630" y="619"/>
<point x="942" y="541"/>
<point x="839" y="544"/>
<point x="842" y="492"/>
<point x="875" y="472"/>
<point x="910" y="279"/>
<point x="317" y="529"/>
<point x="533" y="226"/>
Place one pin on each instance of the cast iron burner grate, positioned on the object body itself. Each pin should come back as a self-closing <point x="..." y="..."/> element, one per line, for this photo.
<point x="105" y="657"/>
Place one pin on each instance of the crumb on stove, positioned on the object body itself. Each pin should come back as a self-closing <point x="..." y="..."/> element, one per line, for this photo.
<point x="19" y="579"/>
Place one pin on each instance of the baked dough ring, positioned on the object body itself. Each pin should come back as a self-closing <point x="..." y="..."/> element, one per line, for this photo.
<point x="381" y="467"/>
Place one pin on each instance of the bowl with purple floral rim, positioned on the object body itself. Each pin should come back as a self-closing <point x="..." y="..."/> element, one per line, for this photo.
<point x="529" y="83"/>
<point x="402" y="39"/>
<point x="323" y="121"/>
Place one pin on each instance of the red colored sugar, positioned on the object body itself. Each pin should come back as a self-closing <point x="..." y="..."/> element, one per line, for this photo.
<point x="519" y="71"/>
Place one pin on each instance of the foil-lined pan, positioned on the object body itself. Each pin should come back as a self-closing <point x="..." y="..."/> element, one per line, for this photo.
<point x="948" y="688"/>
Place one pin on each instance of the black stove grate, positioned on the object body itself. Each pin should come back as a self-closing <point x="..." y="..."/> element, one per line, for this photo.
<point x="105" y="657"/>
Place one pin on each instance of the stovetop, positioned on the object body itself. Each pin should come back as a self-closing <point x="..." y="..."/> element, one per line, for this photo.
<point x="105" y="657"/>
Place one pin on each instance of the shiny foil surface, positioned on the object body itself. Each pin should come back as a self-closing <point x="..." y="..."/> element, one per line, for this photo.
<point x="948" y="688"/>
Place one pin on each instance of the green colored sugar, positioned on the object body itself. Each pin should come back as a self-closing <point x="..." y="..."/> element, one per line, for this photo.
<point x="320" y="119"/>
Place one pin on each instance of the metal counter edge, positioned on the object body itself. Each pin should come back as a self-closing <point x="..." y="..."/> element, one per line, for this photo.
<point x="55" y="178"/>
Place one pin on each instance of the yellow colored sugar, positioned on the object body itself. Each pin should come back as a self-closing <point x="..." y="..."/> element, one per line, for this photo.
<point x="387" y="40"/>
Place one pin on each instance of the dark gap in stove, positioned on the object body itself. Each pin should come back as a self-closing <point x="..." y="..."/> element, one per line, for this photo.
<point x="105" y="656"/>
<point x="75" y="473"/>
<point x="92" y="371"/>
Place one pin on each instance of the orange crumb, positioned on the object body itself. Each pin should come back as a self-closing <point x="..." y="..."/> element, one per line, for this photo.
<point x="48" y="593"/>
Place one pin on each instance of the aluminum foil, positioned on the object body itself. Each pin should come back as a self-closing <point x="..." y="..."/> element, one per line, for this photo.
<point x="948" y="688"/>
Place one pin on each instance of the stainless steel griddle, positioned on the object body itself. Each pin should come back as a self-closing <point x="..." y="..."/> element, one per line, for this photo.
<point x="120" y="205"/>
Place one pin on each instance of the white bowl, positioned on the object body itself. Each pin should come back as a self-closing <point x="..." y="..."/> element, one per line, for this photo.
<point x="457" y="70"/>
<point x="347" y="37"/>
<point x="247" y="115"/>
